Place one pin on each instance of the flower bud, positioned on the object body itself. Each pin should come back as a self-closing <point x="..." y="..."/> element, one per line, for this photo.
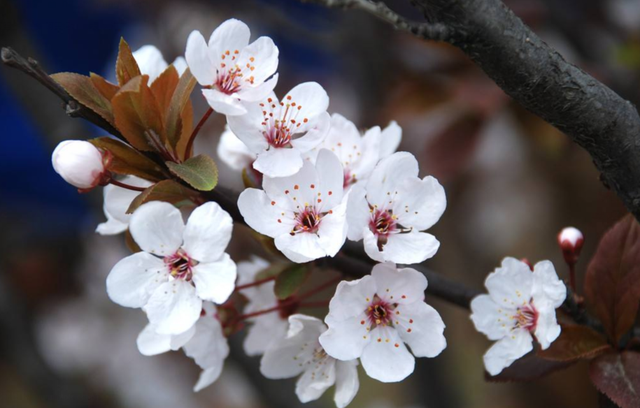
<point x="570" y="240"/>
<point x="79" y="163"/>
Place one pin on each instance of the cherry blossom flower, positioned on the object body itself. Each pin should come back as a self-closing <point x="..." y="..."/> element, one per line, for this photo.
<point x="300" y="353"/>
<point x="152" y="63"/>
<point x="571" y="240"/>
<point x="270" y="128"/>
<point x="373" y="317"/>
<point x="519" y="306"/>
<point x="304" y="213"/>
<point x="393" y="208"/>
<point x="233" y="152"/>
<point x="390" y="140"/>
<point x="116" y="202"/>
<point x="265" y="328"/>
<point x="204" y="342"/>
<point x="179" y="266"/>
<point x="80" y="164"/>
<point x="231" y="70"/>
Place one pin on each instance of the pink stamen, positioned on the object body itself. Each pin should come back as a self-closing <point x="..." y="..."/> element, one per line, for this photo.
<point x="180" y="265"/>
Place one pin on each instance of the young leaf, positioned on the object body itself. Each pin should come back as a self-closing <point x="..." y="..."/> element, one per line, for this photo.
<point x="528" y="368"/>
<point x="179" y="100"/>
<point x="137" y="115"/>
<point x="575" y="342"/>
<point x="164" y="87"/>
<point x="106" y="88"/>
<point x="126" y="160"/>
<point x="611" y="283"/>
<point x="126" y="65"/>
<point x="200" y="172"/>
<point x="84" y="91"/>
<point x="618" y="376"/>
<point x="290" y="280"/>
<point x="186" y="127"/>
<point x="166" y="190"/>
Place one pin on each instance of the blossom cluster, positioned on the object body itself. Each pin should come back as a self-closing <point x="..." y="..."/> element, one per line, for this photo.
<point x="320" y="182"/>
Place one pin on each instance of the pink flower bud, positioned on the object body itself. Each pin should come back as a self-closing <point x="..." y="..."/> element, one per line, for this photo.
<point x="79" y="163"/>
<point x="570" y="240"/>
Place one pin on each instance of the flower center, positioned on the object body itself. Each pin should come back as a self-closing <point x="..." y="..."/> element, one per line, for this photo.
<point x="526" y="317"/>
<point x="279" y="130"/>
<point x="379" y="312"/>
<point x="307" y="221"/>
<point x="180" y="265"/>
<point x="231" y="74"/>
<point x="382" y="223"/>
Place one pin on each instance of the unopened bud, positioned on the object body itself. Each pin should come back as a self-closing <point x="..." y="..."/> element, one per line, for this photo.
<point x="570" y="240"/>
<point x="79" y="163"/>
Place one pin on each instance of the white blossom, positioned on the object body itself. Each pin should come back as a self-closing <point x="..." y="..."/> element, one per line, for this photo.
<point x="571" y="238"/>
<point x="116" y="202"/>
<point x="79" y="163"/>
<point x="233" y="152"/>
<point x="152" y="63"/>
<point x="179" y="266"/>
<point x="300" y="354"/>
<point x="231" y="70"/>
<point x="373" y="317"/>
<point x="393" y="209"/>
<point x="266" y="328"/>
<point x="304" y="213"/>
<point x="280" y="132"/>
<point x="520" y="305"/>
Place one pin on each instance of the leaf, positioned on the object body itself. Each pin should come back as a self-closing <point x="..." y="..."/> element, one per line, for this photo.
<point x="106" y="88"/>
<point x="618" y="376"/>
<point x="126" y="160"/>
<point x="164" y="86"/>
<point x="165" y="190"/>
<point x="84" y="91"/>
<point x="186" y="121"/>
<point x="179" y="100"/>
<point x="575" y="342"/>
<point x="611" y="283"/>
<point x="528" y="368"/>
<point x="200" y="172"/>
<point x="137" y="115"/>
<point x="290" y="280"/>
<point x="126" y="65"/>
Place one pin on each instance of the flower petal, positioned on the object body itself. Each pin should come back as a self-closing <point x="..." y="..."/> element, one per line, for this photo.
<point x="208" y="377"/>
<point x="346" y="339"/>
<point x="261" y="215"/>
<point x="215" y="280"/>
<point x="386" y="358"/>
<point x="311" y="100"/>
<point x="208" y="232"/>
<point x="510" y="285"/>
<point x="233" y="152"/>
<point x="157" y="228"/>
<point x="117" y="199"/>
<point x="208" y="346"/>
<point x="300" y="248"/>
<point x="134" y="279"/>
<point x="358" y="214"/>
<point x="388" y="176"/>
<point x="150" y="343"/>
<point x="315" y="380"/>
<point x="504" y="352"/>
<point x="225" y="104"/>
<point x="347" y="382"/>
<point x="409" y="248"/>
<point x="262" y="56"/>
<point x="391" y="136"/>
<point x="278" y="162"/>
<point x="402" y="286"/>
<point x="547" y="327"/>
<point x="421" y="327"/>
<point x="264" y="331"/>
<point x="150" y="61"/>
<point x="258" y="92"/>
<point x="330" y="179"/>
<point x="333" y="230"/>
<point x="490" y="318"/>
<point x="351" y="299"/>
<point x="230" y="36"/>
<point x="174" y="307"/>
<point x="199" y="59"/>
<point x="295" y="191"/>
<point x="548" y="290"/>
<point x="420" y="203"/>
<point x="316" y="130"/>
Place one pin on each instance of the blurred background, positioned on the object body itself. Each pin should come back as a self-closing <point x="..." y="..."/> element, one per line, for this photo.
<point x="512" y="183"/>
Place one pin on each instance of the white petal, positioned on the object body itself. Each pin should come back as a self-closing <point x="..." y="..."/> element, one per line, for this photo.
<point x="208" y="232"/>
<point x="410" y="248"/>
<point x="233" y="152"/>
<point x="330" y="178"/>
<point x="346" y="339"/>
<point x="247" y="270"/>
<point x="111" y="226"/>
<point x="157" y="228"/>
<point x="511" y="284"/>
<point x="262" y="55"/>
<point x="548" y="290"/>
<point x="225" y="104"/>
<point x="259" y="214"/>
<point x="248" y="127"/>
<point x="232" y="35"/>
<point x="547" y="328"/>
<point x="352" y="298"/>
<point x="347" y="383"/>
<point x="388" y="175"/>
<point x="316" y="130"/>
<point x="386" y="358"/>
<point x="78" y="162"/>
<point x="180" y="64"/>
<point x="134" y="279"/>
<point x="371" y="246"/>
<point x="420" y="203"/>
<point x="208" y="377"/>
<point x="422" y="328"/>
<point x="150" y="61"/>
<point x="296" y="191"/>
<point x="258" y="92"/>
<point x="358" y="214"/>
<point x="403" y="286"/>
<point x="117" y="201"/>
<point x="199" y="59"/>
<point x="264" y="331"/>
<point x="300" y="248"/>
<point x="391" y="136"/>
<point x="208" y="346"/>
<point x="278" y="162"/>
<point x="370" y="155"/>
<point x="333" y="230"/>
<point x="504" y="352"/>
<point x="315" y="380"/>
<point x="215" y="280"/>
<point x="174" y="307"/>
<point x="150" y="343"/>
<point x="311" y="99"/>
<point x="490" y="318"/>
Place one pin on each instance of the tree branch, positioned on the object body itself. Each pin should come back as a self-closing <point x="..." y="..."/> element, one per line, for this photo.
<point x="427" y="31"/>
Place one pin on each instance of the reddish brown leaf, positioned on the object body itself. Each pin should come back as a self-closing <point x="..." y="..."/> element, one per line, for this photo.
<point x="164" y="86"/>
<point x="528" y="368"/>
<point x="618" y="376"/>
<point x="137" y="115"/>
<point x="126" y="66"/>
<point x="83" y="90"/>
<point x="574" y="343"/>
<point x="186" y="127"/>
<point x="179" y="101"/>
<point x="612" y="281"/>
<point x="128" y="161"/>
<point x="106" y="88"/>
<point x="166" y="190"/>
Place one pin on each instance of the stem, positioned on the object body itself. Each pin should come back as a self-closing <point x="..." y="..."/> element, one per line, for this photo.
<point x="256" y="283"/>
<point x="195" y="132"/>
<point x="261" y="312"/>
<point x="572" y="276"/>
<point x="127" y="186"/>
